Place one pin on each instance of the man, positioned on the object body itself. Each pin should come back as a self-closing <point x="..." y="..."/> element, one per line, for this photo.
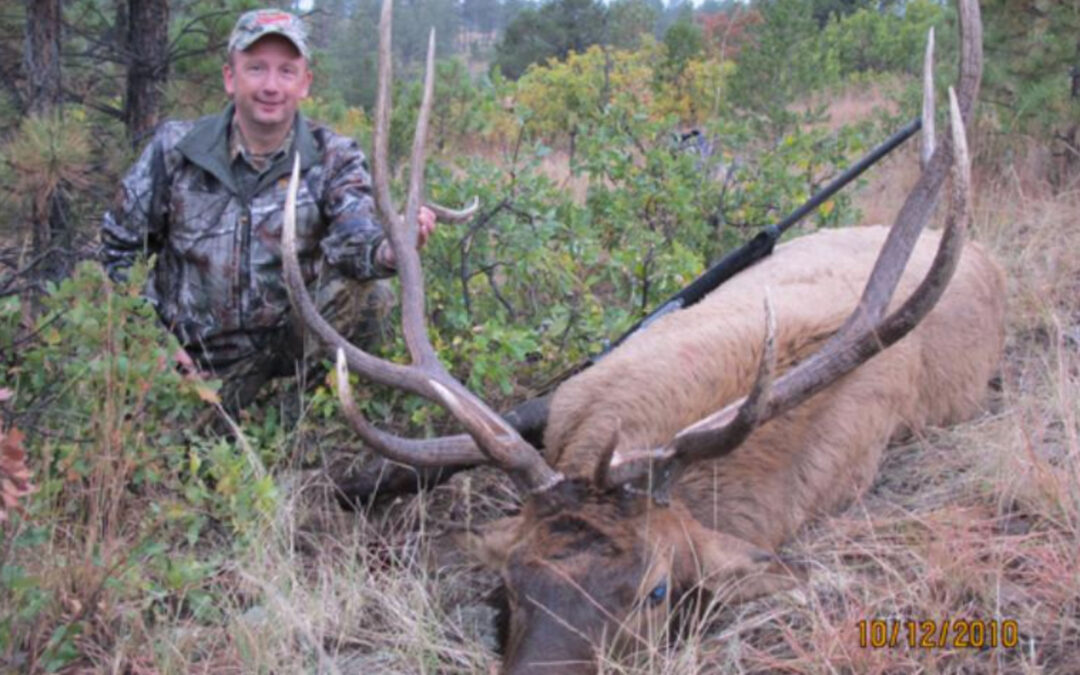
<point x="206" y="198"/>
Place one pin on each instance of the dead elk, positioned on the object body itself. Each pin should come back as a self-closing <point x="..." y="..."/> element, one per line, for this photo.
<point x="683" y="459"/>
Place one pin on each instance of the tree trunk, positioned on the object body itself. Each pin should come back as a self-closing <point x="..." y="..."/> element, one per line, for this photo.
<point x="1074" y="75"/>
<point x="148" y="67"/>
<point x="42" y="57"/>
<point x="43" y="99"/>
<point x="1071" y="136"/>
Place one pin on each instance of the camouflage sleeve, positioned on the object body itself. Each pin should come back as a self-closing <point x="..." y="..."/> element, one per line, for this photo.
<point x="353" y="235"/>
<point x="135" y="223"/>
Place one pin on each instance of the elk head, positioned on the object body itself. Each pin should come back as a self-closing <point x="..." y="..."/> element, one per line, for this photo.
<point x="605" y="559"/>
<point x="587" y="569"/>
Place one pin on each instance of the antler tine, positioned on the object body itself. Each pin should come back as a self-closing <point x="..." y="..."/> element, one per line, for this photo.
<point x="455" y="215"/>
<point x="726" y="428"/>
<point x="735" y="421"/>
<point x="971" y="58"/>
<point x="419" y="149"/>
<point x="380" y="168"/>
<point x="445" y="451"/>
<point x="900" y="322"/>
<point x="413" y="319"/>
<point x="419" y="142"/>
<point x="927" y="148"/>
<point x="383" y="372"/>
<point x="921" y="201"/>
<point x="865" y="333"/>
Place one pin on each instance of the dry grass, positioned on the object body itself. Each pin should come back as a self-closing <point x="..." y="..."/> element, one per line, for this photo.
<point x="856" y="102"/>
<point x="335" y="592"/>
<point x="556" y="166"/>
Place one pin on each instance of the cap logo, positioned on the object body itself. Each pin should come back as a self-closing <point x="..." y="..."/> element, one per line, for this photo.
<point x="265" y="19"/>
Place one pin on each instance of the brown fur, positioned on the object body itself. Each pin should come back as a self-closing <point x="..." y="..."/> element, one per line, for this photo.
<point x="821" y="455"/>
<point x="580" y="565"/>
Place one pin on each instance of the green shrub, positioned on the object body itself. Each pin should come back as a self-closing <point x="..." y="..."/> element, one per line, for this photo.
<point x="136" y="505"/>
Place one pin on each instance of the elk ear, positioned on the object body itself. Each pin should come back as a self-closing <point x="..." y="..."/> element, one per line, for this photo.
<point x="491" y="543"/>
<point x="734" y="569"/>
<point x="600" y="473"/>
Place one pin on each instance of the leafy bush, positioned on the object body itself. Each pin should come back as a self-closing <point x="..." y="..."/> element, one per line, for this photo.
<point x="869" y="40"/>
<point x="135" y="506"/>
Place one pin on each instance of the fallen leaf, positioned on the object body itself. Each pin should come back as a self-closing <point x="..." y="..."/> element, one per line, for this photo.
<point x="207" y="394"/>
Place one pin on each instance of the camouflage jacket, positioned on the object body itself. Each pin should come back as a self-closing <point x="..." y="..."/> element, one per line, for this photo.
<point x="217" y="281"/>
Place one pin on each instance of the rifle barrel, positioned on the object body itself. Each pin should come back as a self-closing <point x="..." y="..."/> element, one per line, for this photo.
<point x="750" y="252"/>
<point x="851" y="174"/>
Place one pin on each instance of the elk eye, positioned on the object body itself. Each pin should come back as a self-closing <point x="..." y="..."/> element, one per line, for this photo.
<point x="658" y="593"/>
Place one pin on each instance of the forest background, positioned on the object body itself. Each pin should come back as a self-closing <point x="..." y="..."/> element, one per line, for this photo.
<point x="617" y="149"/>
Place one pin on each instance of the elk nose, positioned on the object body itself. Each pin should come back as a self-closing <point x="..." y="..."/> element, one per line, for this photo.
<point x="548" y="647"/>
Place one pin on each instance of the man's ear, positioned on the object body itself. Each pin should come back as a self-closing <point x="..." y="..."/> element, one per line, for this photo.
<point x="227" y="78"/>
<point x="733" y="568"/>
<point x="309" y="77"/>
<point x="490" y="544"/>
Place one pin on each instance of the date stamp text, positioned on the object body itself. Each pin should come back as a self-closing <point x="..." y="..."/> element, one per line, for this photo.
<point x="938" y="633"/>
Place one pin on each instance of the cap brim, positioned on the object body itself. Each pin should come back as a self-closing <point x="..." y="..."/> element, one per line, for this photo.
<point x="244" y="44"/>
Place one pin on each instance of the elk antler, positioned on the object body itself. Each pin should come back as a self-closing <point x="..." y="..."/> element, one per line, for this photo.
<point x="455" y="215"/>
<point x="865" y="333"/>
<point x="926" y="151"/>
<point x="490" y="438"/>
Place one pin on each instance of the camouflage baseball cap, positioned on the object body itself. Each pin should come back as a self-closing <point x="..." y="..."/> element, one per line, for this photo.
<point x="252" y="26"/>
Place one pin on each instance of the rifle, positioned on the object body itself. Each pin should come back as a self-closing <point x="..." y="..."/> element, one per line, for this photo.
<point x="530" y="417"/>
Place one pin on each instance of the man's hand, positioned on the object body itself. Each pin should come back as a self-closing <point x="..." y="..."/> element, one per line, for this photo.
<point x="426" y="221"/>
<point x="186" y="364"/>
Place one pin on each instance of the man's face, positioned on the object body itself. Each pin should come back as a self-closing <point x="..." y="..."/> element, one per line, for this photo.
<point x="267" y="81"/>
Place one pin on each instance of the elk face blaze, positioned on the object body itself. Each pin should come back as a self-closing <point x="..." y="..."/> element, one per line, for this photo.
<point x="573" y="577"/>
